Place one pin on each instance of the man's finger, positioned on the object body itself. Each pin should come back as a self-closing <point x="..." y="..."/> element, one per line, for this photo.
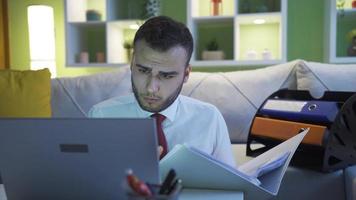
<point x="160" y="150"/>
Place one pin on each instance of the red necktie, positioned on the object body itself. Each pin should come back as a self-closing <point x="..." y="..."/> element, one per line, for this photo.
<point x="160" y="134"/>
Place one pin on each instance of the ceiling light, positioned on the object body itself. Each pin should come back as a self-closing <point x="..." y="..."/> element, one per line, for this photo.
<point x="259" y="21"/>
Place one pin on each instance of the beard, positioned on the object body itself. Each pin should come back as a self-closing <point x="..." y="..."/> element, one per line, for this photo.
<point x="164" y="105"/>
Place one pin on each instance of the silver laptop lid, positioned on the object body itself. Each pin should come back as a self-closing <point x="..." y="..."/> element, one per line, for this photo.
<point x="75" y="158"/>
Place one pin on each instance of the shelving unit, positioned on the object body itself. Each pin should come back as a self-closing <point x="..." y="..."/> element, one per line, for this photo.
<point x="338" y="23"/>
<point x="106" y="35"/>
<point x="237" y="33"/>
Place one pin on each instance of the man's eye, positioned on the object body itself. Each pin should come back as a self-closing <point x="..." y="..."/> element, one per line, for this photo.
<point x="167" y="76"/>
<point x="142" y="70"/>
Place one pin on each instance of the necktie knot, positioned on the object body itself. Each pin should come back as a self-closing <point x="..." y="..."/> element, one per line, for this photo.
<point x="159" y="118"/>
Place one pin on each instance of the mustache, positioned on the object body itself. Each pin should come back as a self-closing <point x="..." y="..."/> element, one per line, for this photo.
<point x="153" y="96"/>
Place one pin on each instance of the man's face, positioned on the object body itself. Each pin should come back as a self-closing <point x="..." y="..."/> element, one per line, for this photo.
<point x="157" y="77"/>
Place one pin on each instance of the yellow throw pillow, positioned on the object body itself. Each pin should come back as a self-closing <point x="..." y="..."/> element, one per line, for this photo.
<point x="25" y="93"/>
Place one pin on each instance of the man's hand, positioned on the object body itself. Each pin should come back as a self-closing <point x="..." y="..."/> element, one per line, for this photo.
<point x="160" y="150"/>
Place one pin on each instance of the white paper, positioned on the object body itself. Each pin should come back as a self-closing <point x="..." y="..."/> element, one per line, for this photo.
<point x="284" y="105"/>
<point x="200" y="171"/>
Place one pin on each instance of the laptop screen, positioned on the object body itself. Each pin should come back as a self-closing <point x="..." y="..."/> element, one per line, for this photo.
<point x="75" y="158"/>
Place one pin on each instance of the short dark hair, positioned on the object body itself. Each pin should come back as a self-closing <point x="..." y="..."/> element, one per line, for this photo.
<point x="162" y="33"/>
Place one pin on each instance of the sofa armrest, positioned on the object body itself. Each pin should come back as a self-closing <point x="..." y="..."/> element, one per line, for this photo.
<point x="350" y="183"/>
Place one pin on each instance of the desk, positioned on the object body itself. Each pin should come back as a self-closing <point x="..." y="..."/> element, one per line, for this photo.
<point x="190" y="194"/>
<point x="187" y="194"/>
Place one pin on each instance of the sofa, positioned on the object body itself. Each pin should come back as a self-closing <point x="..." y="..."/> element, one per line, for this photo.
<point x="237" y="95"/>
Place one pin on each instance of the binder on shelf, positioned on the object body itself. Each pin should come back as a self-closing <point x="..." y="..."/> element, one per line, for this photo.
<point x="330" y="143"/>
<point x="316" y="111"/>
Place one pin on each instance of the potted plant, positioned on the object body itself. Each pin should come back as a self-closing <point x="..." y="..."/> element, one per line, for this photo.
<point x="351" y="37"/>
<point x="212" y="51"/>
<point x="129" y="48"/>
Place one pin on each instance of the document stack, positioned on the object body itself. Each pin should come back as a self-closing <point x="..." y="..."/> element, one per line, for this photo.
<point x="330" y="143"/>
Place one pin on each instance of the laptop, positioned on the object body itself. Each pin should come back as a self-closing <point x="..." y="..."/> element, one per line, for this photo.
<point x="75" y="159"/>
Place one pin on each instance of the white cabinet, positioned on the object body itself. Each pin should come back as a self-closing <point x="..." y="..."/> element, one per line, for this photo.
<point x="340" y="21"/>
<point x="249" y="32"/>
<point x="97" y="31"/>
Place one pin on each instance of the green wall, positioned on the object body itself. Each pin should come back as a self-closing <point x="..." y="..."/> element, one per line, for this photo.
<point x="305" y="39"/>
<point x="305" y="32"/>
<point x="19" y="42"/>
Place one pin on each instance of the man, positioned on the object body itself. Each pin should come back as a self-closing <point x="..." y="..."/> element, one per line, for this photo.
<point x="159" y="67"/>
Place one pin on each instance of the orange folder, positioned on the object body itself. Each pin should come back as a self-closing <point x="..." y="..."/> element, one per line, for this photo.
<point x="283" y="130"/>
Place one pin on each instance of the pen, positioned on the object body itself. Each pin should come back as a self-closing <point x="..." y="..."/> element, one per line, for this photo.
<point x="136" y="185"/>
<point x="174" y="186"/>
<point x="167" y="182"/>
<point x="177" y="188"/>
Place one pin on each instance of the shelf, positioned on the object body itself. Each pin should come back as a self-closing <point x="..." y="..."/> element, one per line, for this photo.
<point x="97" y="64"/>
<point x="101" y="37"/>
<point x="238" y="34"/>
<point x="267" y="17"/>
<point x="85" y="37"/>
<point x="87" y="24"/>
<point x="222" y="31"/>
<point x="200" y="8"/>
<point x="213" y="19"/>
<point x="125" y="9"/>
<point x="120" y="32"/>
<point x="226" y="63"/>
<point x="76" y="9"/>
<point x="258" y="6"/>
<point x="340" y="23"/>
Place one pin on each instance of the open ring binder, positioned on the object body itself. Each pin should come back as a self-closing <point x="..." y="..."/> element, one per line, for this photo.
<point x="331" y="142"/>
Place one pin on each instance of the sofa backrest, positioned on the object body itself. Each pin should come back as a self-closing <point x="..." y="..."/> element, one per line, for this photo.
<point x="73" y="97"/>
<point x="237" y="94"/>
<point x="319" y="77"/>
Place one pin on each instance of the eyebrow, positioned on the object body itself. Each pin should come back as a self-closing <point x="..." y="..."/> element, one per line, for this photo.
<point x="160" y="72"/>
<point x="141" y="66"/>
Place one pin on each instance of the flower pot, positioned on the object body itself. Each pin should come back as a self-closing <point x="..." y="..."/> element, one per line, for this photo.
<point x="213" y="55"/>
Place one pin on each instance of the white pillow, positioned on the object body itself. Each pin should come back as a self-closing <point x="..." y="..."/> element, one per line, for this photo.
<point x="320" y="77"/>
<point x="239" y="94"/>
<point x="73" y="97"/>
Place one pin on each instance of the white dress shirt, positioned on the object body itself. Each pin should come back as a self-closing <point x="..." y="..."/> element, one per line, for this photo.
<point x="188" y="121"/>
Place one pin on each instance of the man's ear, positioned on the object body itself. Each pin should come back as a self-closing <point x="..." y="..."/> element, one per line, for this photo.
<point x="187" y="71"/>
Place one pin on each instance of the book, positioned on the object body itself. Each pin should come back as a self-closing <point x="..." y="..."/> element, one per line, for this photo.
<point x="259" y="178"/>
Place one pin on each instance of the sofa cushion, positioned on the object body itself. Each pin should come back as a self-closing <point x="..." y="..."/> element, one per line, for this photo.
<point x="320" y="77"/>
<point x="239" y="94"/>
<point x="73" y="97"/>
<point x="25" y="93"/>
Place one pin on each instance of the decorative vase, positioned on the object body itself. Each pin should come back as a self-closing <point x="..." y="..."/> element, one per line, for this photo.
<point x="351" y="50"/>
<point x="266" y="54"/>
<point x="216" y="7"/>
<point x="152" y="8"/>
<point x="353" y="4"/>
<point x="93" y="15"/>
<point x="100" y="57"/>
<point x="251" y="54"/>
<point x="83" y="57"/>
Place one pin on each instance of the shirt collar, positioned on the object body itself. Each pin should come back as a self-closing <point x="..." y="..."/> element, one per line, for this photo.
<point x="169" y="113"/>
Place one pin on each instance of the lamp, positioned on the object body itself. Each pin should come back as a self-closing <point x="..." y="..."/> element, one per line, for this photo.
<point x="42" y="38"/>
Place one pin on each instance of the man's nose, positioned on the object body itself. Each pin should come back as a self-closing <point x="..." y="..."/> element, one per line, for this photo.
<point x="153" y="85"/>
